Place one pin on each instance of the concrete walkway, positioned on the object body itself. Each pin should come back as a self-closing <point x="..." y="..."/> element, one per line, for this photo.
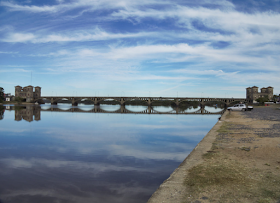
<point x="247" y="146"/>
<point x="172" y="190"/>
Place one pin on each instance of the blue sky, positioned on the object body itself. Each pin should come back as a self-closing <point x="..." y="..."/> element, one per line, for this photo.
<point x="208" y="48"/>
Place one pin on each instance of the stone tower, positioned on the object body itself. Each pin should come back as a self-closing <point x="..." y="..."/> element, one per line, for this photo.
<point x="28" y="93"/>
<point x="252" y="93"/>
<point x="37" y="92"/>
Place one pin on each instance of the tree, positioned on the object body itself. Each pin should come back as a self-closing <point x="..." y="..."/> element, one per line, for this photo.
<point x="275" y="98"/>
<point x="1" y="94"/>
<point x="261" y="100"/>
<point x="19" y="99"/>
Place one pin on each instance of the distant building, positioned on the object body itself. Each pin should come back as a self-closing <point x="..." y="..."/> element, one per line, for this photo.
<point x="28" y="92"/>
<point x="252" y="93"/>
<point x="8" y="97"/>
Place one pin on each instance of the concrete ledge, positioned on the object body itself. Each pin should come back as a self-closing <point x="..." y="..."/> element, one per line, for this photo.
<point x="172" y="190"/>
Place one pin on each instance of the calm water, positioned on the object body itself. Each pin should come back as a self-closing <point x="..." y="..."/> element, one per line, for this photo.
<point x="92" y="157"/>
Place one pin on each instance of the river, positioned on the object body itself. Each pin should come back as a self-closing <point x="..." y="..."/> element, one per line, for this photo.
<point x="51" y="156"/>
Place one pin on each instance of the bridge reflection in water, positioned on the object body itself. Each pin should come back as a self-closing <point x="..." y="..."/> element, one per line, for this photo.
<point x="33" y="112"/>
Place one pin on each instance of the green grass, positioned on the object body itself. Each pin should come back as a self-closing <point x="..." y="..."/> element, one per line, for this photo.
<point x="232" y="179"/>
<point x="214" y="173"/>
<point x="224" y="128"/>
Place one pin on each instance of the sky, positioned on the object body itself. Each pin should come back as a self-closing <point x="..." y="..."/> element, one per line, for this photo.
<point x="176" y="48"/>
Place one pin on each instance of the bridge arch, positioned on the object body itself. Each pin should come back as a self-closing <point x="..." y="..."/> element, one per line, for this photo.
<point x="131" y="108"/>
<point x="59" y="99"/>
<point x="76" y="101"/>
<point x="110" y="108"/>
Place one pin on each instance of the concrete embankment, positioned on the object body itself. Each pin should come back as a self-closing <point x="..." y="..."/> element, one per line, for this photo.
<point x="173" y="190"/>
<point x="237" y="161"/>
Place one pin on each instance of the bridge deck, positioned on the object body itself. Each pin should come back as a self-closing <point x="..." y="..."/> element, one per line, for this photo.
<point x="122" y="100"/>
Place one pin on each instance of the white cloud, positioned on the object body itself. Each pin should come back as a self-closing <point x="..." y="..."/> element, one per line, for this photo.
<point x="19" y="37"/>
<point x="206" y="72"/>
<point x="84" y="4"/>
<point x="35" y="9"/>
<point x="248" y="41"/>
<point x="8" y="52"/>
<point x="78" y="36"/>
<point x="13" y="70"/>
<point x="75" y="165"/>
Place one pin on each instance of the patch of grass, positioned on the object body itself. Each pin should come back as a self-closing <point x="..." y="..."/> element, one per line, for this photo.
<point x="214" y="146"/>
<point x="226" y="180"/>
<point x="268" y="193"/>
<point x="224" y="128"/>
<point x="214" y="173"/>
<point x="247" y="149"/>
<point x="266" y="200"/>
<point x="269" y="186"/>
<point x="209" y="155"/>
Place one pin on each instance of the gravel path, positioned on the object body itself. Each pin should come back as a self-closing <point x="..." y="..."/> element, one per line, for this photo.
<point x="264" y="113"/>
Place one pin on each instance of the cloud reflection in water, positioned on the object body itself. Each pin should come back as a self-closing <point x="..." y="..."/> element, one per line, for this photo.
<point x="76" y="157"/>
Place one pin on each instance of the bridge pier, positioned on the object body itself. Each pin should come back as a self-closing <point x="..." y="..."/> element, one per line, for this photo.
<point x="122" y="102"/>
<point x="74" y="103"/>
<point x="177" y="102"/>
<point x="96" y="102"/>
<point x="149" y="102"/>
<point x="227" y="102"/>
<point x="53" y="102"/>
<point x="202" y="102"/>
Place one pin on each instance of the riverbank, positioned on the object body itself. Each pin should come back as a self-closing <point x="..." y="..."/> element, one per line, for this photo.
<point x="237" y="161"/>
<point x="16" y="103"/>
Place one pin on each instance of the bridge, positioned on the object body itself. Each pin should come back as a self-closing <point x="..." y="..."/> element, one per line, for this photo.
<point x="149" y="100"/>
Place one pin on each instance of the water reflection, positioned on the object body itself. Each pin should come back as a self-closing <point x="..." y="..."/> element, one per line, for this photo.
<point x="33" y="112"/>
<point x="28" y="113"/>
<point x="2" y="110"/>
<point x="82" y="157"/>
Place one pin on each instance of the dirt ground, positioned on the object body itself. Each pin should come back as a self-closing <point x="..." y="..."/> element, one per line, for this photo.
<point x="238" y="161"/>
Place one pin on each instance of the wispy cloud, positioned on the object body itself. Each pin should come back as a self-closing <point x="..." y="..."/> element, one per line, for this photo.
<point x="83" y="4"/>
<point x="13" y="70"/>
<point x="182" y="40"/>
<point x="78" y="36"/>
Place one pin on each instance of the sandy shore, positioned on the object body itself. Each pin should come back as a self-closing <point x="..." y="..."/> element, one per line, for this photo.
<point x="237" y="161"/>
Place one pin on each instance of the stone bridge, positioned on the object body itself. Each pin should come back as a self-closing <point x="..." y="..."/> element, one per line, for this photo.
<point x="148" y="100"/>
